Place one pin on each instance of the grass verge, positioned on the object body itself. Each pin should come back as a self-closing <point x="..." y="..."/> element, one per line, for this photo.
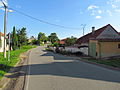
<point x="5" y="65"/>
<point x="111" y="62"/>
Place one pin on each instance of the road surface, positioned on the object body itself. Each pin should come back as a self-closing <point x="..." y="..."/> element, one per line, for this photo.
<point x="50" y="71"/>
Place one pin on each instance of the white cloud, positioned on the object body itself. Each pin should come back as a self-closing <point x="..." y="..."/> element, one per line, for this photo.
<point x="92" y="7"/>
<point x="114" y="3"/>
<point x="1" y="4"/>
<point x="114" y="6"/>
<point x="117" y="0"/>
<point x="4" y="1"/>
<point x="98" y="17"/>
<point x="109" y="12"/>
<point x="99" y="11"/>
<point x="117" y="10"/>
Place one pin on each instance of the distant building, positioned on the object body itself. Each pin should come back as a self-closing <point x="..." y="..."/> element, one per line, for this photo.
<point x="31" y="39"/>
<point x="104" y="42"/>
<point x="62" y="42"/>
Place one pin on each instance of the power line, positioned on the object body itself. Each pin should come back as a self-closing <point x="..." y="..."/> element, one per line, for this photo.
<point x="42" y="21"/>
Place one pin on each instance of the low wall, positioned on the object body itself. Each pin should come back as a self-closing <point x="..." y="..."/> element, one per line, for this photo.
<point x="72" y="49"/>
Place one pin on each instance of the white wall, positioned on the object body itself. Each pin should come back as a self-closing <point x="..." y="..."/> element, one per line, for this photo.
<point x="2" y="44"/>
<point x="72" y="49"/>
<point x="75" y="49"/>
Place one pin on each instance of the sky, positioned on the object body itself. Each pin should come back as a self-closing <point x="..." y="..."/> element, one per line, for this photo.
<point x="69" y="13"/>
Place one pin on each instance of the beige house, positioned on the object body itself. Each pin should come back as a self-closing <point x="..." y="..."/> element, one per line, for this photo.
<point x="104" y="42"/>
<point x="31" y="39"/>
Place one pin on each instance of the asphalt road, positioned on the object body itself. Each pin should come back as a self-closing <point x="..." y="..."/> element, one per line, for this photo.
<point x="49" y="71"/>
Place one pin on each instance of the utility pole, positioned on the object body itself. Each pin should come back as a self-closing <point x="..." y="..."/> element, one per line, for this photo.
<point x="83" y="27"/>
<point x="5" y="27"/>
<point x="9" y="46"/>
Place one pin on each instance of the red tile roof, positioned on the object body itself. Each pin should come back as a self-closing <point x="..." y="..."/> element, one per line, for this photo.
<point x="86" y="38"/>
<point x="1" y="34"/>
<point x="61" y="41"/>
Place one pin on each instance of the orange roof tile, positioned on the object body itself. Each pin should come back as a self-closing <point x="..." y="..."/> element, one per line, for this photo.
<point x="1" y="34"/>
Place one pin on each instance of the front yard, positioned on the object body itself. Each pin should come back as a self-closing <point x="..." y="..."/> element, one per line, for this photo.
<point x="5" y="65"/>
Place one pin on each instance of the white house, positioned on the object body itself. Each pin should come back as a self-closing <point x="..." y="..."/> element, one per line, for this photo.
<point x="1" y="41"/>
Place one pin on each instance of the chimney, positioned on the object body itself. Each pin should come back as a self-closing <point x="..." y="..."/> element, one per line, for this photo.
<point x="93" y="30"/>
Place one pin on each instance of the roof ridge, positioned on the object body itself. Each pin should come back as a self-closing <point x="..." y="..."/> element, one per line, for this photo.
<point x="97" y="32"/>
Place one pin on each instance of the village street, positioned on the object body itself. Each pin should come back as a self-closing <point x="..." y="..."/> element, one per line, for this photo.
<point x="49" y="71"/>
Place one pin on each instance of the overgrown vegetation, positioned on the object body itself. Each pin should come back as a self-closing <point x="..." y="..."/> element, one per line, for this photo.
<point x="42" y="38"/>
<point x="18" y="38"/>
<point x="5" y="65"/>
<point x="70" y="41"/>
<point x="53" y="38"/>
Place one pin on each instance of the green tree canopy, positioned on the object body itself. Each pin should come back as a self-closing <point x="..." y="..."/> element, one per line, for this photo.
<point x="70" y="41"/>
<point x="41" y="38"/>
<point x="22" y="36"/>
<point x="53" y="37"/>
<point x="14" y="39"/>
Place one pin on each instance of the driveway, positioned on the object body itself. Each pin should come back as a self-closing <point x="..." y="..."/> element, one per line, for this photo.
<point x="50" y="71"/>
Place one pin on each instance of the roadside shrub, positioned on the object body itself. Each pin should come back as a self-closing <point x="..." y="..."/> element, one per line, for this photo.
<point x="78" y="53"/>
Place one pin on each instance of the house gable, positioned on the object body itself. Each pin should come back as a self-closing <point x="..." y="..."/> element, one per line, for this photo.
<point x="109" y="33"/>
<point x="87" y="37"/>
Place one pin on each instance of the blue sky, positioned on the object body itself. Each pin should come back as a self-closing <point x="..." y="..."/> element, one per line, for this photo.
<point x="70" y="13"/>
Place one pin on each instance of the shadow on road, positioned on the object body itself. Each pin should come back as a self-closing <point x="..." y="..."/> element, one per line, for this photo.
<point x="70" y="69"/>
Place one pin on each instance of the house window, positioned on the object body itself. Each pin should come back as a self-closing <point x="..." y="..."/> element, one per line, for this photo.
<point x="119" y="46"/>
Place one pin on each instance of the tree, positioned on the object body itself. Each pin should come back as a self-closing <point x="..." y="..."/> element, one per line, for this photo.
<point x="41" y="38"/>
<point x="70" y="41"/>
<point x="22" y="38"/>
<point x="34" y="42"/>
<point x="14" y="39"/>
<point x="53" y="37"/>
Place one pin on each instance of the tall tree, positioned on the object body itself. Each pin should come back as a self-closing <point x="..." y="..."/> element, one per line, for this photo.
<point x="14" y="39"/>
<point x="53" y="37"/>
<point x="70" y="41"/>
<point x="22" y="38"/>
<point x="41" y="38"/>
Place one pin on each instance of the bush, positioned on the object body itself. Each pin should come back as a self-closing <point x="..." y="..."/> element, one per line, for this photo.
<point x="78" y="53"/>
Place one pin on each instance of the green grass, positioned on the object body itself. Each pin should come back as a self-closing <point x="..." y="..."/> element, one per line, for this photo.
<point x="112" y="62"/>
<point x="5" y="65"/>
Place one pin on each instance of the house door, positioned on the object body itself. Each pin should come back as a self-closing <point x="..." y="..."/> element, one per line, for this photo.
<point x="92" y="49"/>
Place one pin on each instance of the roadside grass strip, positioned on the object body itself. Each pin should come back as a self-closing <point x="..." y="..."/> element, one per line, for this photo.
<point x="5" y="65"/>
